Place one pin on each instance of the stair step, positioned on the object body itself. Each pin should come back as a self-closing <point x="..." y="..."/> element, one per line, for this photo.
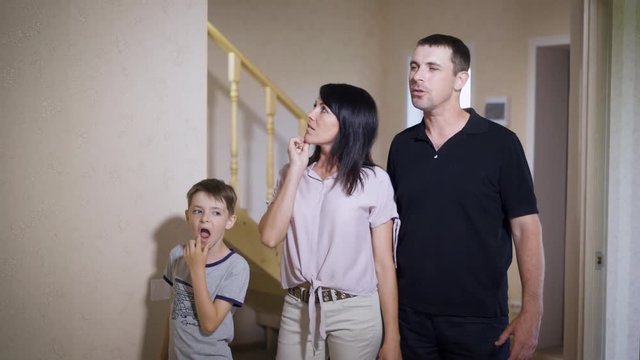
<point x="244" y="237"/>
<point x="268" y="320"/>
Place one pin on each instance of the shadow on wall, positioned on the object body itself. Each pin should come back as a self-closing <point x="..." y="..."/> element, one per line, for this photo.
<point x="171" y="232"/>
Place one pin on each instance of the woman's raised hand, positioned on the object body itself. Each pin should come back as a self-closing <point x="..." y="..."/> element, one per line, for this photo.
<point x="298" y="154"/>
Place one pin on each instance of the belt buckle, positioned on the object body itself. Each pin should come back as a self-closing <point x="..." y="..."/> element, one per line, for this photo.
<point x="335" y="295"/>
<point x="305" y="294"/>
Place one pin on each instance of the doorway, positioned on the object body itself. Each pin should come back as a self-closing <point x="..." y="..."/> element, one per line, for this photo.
<point x="550" y="115"/>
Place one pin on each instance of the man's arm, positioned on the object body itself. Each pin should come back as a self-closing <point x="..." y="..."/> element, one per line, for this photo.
<point x="527" y="238"/>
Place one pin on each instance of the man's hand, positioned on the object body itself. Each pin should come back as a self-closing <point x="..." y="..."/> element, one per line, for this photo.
<point x="527" y="238"/>
<point x="195" y="254"/>
<point x="524" y="328"/>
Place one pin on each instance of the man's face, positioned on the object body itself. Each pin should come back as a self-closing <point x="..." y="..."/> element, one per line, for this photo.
<point x="431" y="78"/>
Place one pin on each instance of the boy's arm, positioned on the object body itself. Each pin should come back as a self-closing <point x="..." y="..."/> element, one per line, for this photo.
<point x="210" y="313"/>
<point x="164" y="350"/>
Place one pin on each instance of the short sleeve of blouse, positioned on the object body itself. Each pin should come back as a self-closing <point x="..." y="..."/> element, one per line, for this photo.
<point x="384" y="208"/>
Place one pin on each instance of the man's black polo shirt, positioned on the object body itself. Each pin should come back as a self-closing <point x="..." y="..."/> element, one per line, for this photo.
<point x="454" y="245"/>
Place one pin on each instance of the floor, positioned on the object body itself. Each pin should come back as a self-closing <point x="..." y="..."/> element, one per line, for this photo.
<point x="256" y="352"/>
<point x="252" y="352"/>
<point x="554" y="353"/>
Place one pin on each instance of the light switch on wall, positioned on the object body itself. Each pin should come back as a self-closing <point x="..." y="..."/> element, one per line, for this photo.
<point x="496" y="109"/>
<point x="159" y="290"/>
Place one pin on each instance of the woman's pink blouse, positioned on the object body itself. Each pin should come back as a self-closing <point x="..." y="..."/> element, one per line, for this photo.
<point x="328" y="243"/>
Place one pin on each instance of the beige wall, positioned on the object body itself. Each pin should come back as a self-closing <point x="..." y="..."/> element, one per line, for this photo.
<point x="102" y="130"/>
<point x="499" y="53"/>
<point x="301" y="45"/>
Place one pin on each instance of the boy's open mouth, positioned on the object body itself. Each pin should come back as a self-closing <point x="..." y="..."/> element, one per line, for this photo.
<point x="205" y="233"/>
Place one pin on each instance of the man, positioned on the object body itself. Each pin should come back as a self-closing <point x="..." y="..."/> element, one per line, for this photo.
<point x="464" y="192"/>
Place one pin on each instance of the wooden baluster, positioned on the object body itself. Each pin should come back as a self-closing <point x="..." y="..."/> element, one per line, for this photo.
<point x="270" y="110"/>
<point x="235" y="66"/>
<point x="302" y="126"/>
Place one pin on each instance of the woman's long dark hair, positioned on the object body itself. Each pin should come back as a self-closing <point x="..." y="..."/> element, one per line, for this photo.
<point x="358" y="126"/>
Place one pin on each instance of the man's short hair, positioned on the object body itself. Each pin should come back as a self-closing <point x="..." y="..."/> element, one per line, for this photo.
<point x="460" y="56"/>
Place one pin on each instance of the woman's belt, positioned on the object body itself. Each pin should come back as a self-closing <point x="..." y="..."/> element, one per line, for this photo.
<point x="327" y="294"/>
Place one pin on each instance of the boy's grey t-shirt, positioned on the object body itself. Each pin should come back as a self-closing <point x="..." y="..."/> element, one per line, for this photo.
<point x="227" y="279"/>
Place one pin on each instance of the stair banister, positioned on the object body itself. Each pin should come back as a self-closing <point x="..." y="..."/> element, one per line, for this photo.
<point x="237" y="60"/>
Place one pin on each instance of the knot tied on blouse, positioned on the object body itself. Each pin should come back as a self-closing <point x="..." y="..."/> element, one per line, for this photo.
<point x="328" y="243"/>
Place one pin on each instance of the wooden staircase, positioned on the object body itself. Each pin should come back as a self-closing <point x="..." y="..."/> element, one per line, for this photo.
<point x="263" y="261"/>
<point x="265" y="294"/>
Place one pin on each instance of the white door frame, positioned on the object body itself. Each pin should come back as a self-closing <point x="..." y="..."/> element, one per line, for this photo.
<point x="587" y="178"/>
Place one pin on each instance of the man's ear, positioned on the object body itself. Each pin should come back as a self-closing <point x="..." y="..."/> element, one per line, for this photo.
<point x="461" y="79"/>
<point x="230" y="222"/>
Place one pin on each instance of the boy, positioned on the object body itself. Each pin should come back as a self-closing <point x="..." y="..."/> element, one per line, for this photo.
<point x="207" y="278"/>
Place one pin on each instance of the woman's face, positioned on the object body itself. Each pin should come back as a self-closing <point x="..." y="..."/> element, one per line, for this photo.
<point x="322" y="126"/>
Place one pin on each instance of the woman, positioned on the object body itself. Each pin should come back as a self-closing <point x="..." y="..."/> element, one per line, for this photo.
<point x="335" y="212"/>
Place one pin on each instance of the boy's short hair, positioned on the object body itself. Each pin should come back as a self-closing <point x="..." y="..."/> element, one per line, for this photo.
<point x="218" y="190"/>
